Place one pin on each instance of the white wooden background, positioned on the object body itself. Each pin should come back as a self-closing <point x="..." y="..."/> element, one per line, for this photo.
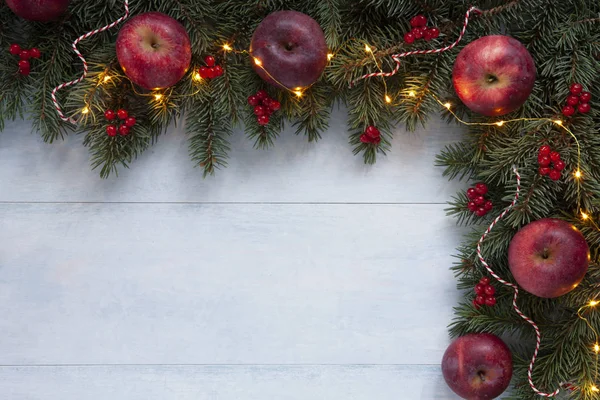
<point x="297" y="273"/>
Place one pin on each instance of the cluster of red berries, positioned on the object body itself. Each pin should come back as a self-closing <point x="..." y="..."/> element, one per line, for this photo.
<point x="372" y="135"/>
<point x="211" y="71"/>
<point x="550" y="163"/>
<point x="484" y="292"/>
<point x="420" y="30"/>
<point x="577" y="98"/>
<point x="264" y="106"/>
<point x="24" y="55"/>
<point x="478" y="204"/>
<point x="125" y="127"/>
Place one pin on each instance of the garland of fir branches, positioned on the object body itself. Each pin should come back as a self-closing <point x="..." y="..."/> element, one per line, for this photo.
<point x="562" y="36"/>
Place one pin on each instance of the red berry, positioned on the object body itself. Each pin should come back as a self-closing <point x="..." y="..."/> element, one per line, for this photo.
<point x="24" y="55"/>
<point x="260" y="111"/>
<point x="409" y="38"/>
<point x="490" y="290"/>
<point x="204" y="72"/>
<point x="274" y="105"/>
<point x="24" y="64"/>
<point x="218" y="71"/>
<point x="253" y="101"/>
<point x="472" y="206"/>
<point x="477" y="306"/>
<point x="480" y="289"/>
<point x="372" y="132"/>
<point x="130" y="122"/>
<point x="124" y="130"/>
<point x="572" y="100"/>
<point x="377" y="140"/>
<point x="364" y="139"/>
<point x="488" y="205"/>
<point x="555" y="156"/>
<point x="418" y="21"/>
<point x="35" y="53"/>
<point x="559" y="165"/>
<point x="263" y="120"/>
<point x="585" y="97"/>
<point x="472" y="193"/>
<point x="480" y="300"/>
<point x="210" y="61"/>
<point x="261" y="94"/>
<point x="434" y="32"/>
<point x="111" y="130"/>
<point x="122" y="114"/>
<point x="568" y="111"/>
<point x="427" y="35"/>
<point x="576" y="89"/>
<point x="418" y="33"/>
<point x="554" y="175"/>
<point x="490" y="301"/>
<point x="212" y="73"/>
<point x="479" y="200"/>
<point x="544" y="171"/>
<point x="485" y="281"/>
<point x="480" y="212"/>
<point x="584" y="108"/>
<point x="15" y="49"/>
<point x="481" y="188"/>
<point x="544" y="161"/>
<point x="110" y="115"/>
<point x="545" y="150"/>
<point x="25" y="71"/>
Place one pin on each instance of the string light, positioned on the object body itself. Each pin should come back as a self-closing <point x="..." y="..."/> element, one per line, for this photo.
<point x="227" y="47"/>
<point x="106" y="78"/>
<point x="368" y="49"/>
<point x="578" y="174"/>
<point x="584" y="216"/>
<point x="500" y="123"/>
<point x="597" y="348"/>
<point x="558" y="122"/>
<point x="388" y="99"/>
<point x="412" y="93"/>
<point x="594" y="303"/>
<point x="197" y="77"/>
<point x="158" y="97"/>
<point x="329" y="56"/>
<point x="298" y="92"/>
<point x="447" y="105"/>
<point x="257" y="62"/>
<point x="85" y="110"/>
<point x="595" y="389"/>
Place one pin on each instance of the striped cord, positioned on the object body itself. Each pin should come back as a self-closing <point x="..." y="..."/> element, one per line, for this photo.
<point x="85" y="64"/>
<point x="538" y="334"/>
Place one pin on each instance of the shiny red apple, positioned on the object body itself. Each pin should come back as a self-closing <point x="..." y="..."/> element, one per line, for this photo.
<point x="38" y="10"/>
<point x="289" y="50"/>
<point x="477" y="366"/>
<point x="494" y="75"/>
<point x="548" y="257"/>
<point x="154" y="50"/>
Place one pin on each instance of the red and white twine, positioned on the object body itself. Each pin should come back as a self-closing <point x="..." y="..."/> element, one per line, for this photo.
<point x="85" y="64"/>
<point x="538" y="334"/>
<point x="397" y="57"/>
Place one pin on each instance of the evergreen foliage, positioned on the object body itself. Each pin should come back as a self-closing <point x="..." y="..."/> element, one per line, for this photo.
<point x="562" y="36"/>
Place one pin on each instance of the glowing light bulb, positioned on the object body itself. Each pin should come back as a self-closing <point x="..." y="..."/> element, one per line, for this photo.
<point x="197" y="77"/>
<point x="412" y="93"/>
<point x="578" y="174"/>
<point x="227" y="47"/>
<point x="595" y="389"/>
<point x="85" y="110"/>
<point x="329" y="56"/>
<point x="597" y="348"/>
<point x="594" y="303"/>
<point x="368" y="49"/>
<point x="257" y="61"/>
<point x="500" y="123"/>
<point x="158" y="97"/>
<point x="558" y="122"/>
<point x="584" y="216"/>
<point x="298" y="93"/>
<point x="388" y="99"/>
<point x="448" y="105"/>
<point x="106" y="78"/>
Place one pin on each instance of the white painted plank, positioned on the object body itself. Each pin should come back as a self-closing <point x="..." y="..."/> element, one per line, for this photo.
<point x="294" y="171"/>
<point x="409" y="382"/>
<point x="225" y="284"/>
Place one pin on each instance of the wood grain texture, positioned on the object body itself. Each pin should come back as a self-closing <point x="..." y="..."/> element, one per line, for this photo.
<point x="243" y="382"/>
<point x="294" y="171"/>
<point x="225" y="284"/>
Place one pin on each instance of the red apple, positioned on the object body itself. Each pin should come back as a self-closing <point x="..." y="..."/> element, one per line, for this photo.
<point x="289" y="49"/>
<point x="494" y="75"/>
<point x="154" y="50"/>
<point x="548" y="257"/>
<point x="477" y="366"/>
<point x="38" y="10"/>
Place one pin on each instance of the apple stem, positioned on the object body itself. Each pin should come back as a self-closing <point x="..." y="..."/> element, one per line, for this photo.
<point x="481" y="375"/>
<point x="491" y="79"/>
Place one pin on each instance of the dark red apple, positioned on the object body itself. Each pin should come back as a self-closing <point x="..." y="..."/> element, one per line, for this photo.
<point x="477" y="366"/>
<point x="154" y="50"/>
<point x="38" y="10"/>
<point x="494" y="75"/>
<point x="548" y="257"/>
<point x="289" y="50"/>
